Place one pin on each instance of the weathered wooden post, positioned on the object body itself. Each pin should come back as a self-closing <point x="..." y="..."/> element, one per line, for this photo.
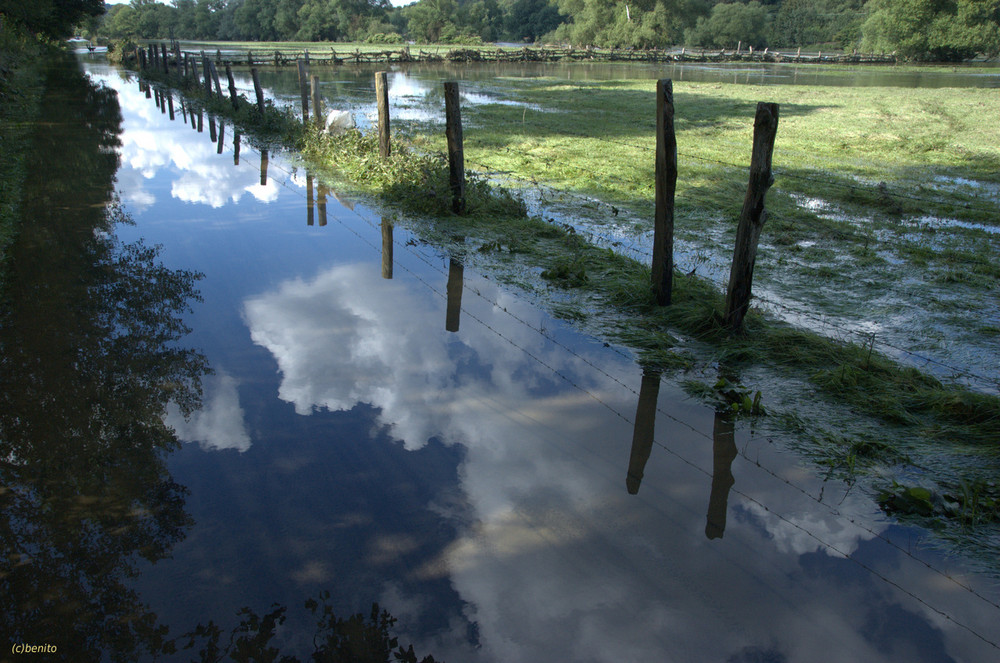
<point x="249" y="58"/>
<point x="666" y="186"/>
<point x="456" y="155"/>
<point x="382" y="101"/>
<point x="222" y="137"/>
<point x="212" y="135"/>
<point x="206" y="73"/>
<point x="643" y="431"/>
<point x="303" y="89"/>
<point x="456" y="278"/>
<point x="236" y="148"/>
<point x="317" y="102"/>
<point x="170" y="106"/>
<point x="177" y="56"/>
<point x="263" y="167"/>
<point x="215" y="78"/>
<point x="386" y="248"/>
<point x="232" y="87"/>
<point x="752" y="217"/>
<point x="257" y="89"/>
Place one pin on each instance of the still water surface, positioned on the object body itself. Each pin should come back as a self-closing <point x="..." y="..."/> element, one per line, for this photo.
<point x="389" y="426"/>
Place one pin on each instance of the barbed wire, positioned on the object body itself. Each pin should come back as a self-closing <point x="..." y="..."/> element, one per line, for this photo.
<point x="868" y="568"/>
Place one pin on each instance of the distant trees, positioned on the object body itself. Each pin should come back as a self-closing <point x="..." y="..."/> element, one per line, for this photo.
<point x="938" y="30"/>
<point x="916" y="29"/>
<point x="55" y="19"/>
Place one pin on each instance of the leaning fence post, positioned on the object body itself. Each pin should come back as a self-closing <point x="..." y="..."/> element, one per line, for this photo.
<point x="232" y="86"/>
<point x="752" y="217"/>
<point x="456" y="156"/>
<point x="317" y="102"/>
<point x="666" y="185"/>
<point x="303" y="89"/>
<point x="206" y="72"/>
<point x="215" y="78"/>
<point x="257" y="90"/>
<point x="382" y="98"/>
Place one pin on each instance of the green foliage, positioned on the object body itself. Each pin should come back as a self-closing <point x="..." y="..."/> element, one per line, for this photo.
<point x="731" y="23"/>
<point x="933" y="30"/>
<point x="642" y="24"/>
<point x="54" y="19"/>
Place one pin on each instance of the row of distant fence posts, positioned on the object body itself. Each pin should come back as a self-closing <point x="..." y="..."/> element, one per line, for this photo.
<point x="752" y="216"/>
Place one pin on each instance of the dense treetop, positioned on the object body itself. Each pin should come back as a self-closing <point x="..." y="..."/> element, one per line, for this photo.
<point x="914" y="29"/>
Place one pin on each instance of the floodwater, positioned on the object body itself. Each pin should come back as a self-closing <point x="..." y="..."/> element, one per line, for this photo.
<point x="386" y="425"/>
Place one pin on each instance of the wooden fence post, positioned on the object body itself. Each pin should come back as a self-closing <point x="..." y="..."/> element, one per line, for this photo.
<point x="456" y="155"/>
<point x="215" y="78"/>
<point x="207" y="74"/>
<point x="166" y="62"/>
<point x="259" y="92"/>
<point x="666" y="185"/>
<point x="752" y="217"/>
<point x="382" y="99"/>
<point x="232" y="86"/>
<point x="303" y="89"/>
<point x="317" y="102"/>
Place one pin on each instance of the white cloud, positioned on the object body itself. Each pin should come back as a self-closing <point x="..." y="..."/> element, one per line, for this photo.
<point x="219" y="423"/>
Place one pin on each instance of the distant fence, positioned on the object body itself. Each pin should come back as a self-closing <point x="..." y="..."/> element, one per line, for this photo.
<point x="404" y="55"/>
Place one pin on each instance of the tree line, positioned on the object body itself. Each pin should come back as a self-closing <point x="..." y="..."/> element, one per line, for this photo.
<point x="913" y="29"/>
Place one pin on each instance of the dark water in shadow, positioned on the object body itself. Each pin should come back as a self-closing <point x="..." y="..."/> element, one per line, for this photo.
<point x="508" y="488"/>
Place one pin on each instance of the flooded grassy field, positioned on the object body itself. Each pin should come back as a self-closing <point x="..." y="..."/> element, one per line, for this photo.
<point x="233" y="383"/>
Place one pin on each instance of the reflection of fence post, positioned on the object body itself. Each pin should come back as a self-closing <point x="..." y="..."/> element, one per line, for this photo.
<point x="321" y="192"/>
<point x="642" y="434"/>
<point x="666" y="185"/>
<point x="723" y="453"/>
<point x="310" y="213"/>
<point x="456" y="156"/>
<point x="382" y="99"/>
<point x="263" y="167"/>
<point x="752" y="217"/>
<point x="222" y="137"/>
<point x="317" y="104"/>
<point x="236" y="148"/>
<point x="170" y="105"/>
<point x="258" y="91"/>
<point x="386" y="248"/>
<point x="456" y="273"/>
<point x="212" y="135"/>
<point x="303" y="89"/>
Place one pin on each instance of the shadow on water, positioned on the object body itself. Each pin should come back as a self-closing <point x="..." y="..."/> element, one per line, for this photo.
<point x="90" y="359"/>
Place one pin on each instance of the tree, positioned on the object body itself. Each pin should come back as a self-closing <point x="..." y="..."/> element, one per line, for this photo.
<point x="732" y="23"/>
<point x="639" y="23"/>
<point x="933" y="30"/>
<point x="51" y="18"/>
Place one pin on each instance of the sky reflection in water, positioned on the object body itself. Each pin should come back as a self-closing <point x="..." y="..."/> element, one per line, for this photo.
<point x="474" y="482"/>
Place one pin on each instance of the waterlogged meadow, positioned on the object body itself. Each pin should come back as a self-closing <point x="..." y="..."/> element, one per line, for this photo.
<point x="872" y="349"/>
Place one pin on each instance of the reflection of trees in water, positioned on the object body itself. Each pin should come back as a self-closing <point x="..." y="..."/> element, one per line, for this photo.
<point x="88" y="360"/>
